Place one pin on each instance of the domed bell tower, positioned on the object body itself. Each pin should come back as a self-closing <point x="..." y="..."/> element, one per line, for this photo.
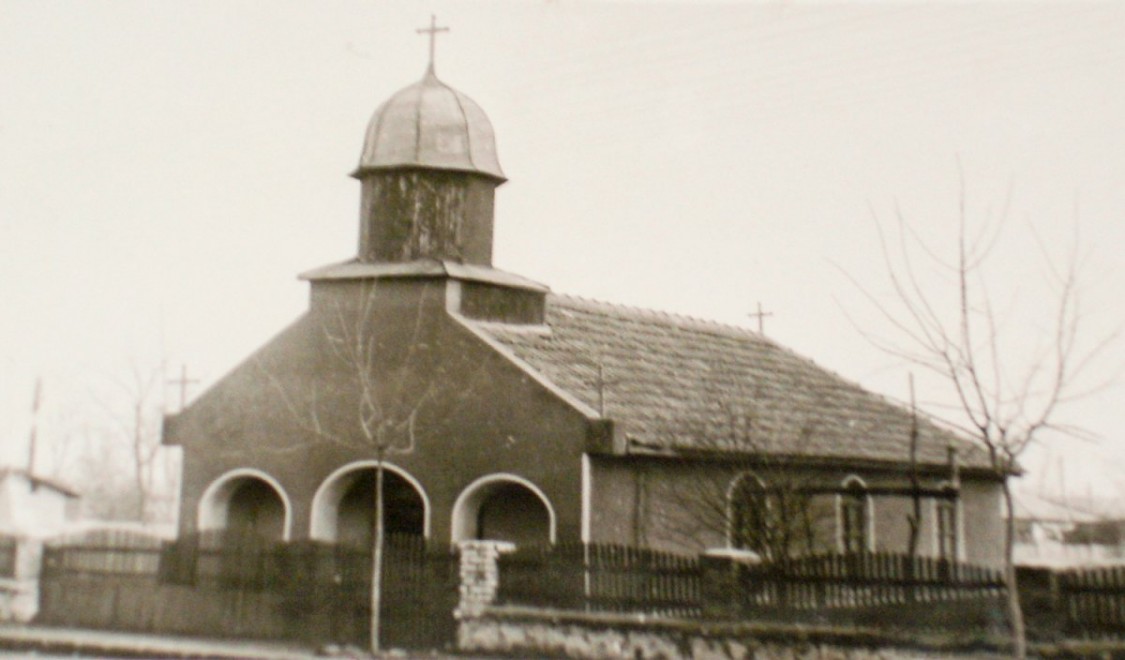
<point x="428" y="175"/>
<point x="428" y="172"/>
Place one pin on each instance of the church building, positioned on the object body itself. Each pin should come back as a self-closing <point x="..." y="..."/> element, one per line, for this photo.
<point x="502" y="410"/>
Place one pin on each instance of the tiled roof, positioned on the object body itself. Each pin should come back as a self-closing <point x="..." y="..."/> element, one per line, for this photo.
<point x="671" y="382"/>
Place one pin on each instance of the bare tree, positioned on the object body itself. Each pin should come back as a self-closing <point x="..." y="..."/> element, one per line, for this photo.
<point x="51" y="453"/>
<point x="133" y="412"/>
<point x="391" y="375"/>
<point x="756" y="495"/>
<point x="1005" y="402"/>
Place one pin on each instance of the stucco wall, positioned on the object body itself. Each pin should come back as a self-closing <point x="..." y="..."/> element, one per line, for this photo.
<point x="983" y="523"/>
<point x="677" y="505"/>
<point x="482" y="415"/>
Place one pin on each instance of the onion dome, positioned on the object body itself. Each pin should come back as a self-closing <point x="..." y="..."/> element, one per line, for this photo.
<point x="430" y="125"/>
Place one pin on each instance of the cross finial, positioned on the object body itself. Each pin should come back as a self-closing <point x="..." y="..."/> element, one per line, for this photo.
<point x="761" y="318"/>
<point x="433" y="30"/>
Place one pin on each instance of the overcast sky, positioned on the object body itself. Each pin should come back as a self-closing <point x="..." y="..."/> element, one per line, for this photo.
<point x="166" y="169"/>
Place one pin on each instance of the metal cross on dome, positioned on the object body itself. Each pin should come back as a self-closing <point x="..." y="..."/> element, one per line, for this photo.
<point x="761" y="316"/>
<point x="433" y="31"/>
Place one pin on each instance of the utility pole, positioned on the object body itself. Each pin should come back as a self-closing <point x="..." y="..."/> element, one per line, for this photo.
<point x="183" y="381"/>
<point x="33" y="439"/>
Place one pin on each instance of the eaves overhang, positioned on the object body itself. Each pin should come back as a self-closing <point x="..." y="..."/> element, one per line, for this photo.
<point x="354" y="269"/>
<point x="407" y="165"/>
<point x="631" y="449"/>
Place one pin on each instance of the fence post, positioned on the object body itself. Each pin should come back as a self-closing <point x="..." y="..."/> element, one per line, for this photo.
<point x="480" y="576"/>
<point x="722" y="591"/>
<point x="1039" y="594"/>
<point x="20" y="598"/>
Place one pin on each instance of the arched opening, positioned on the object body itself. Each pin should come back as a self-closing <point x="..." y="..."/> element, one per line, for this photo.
<point x="513" y="513"/>
<point x="777" y="520"/>
<point x="854" y="514"/>
<point x="403" y="511"/>
<point x="344" y="507"/>
<point x="256" y="510"/>
<point x="503" y="508"/>
<point x="947" y="524"/>
<point x="246" y="503"/>
<point x="749" y="515"/>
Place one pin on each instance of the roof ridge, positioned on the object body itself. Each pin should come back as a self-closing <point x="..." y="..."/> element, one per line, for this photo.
<point x="684" y="320"/>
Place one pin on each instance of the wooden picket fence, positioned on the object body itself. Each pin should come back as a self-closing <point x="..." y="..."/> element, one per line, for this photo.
<point x="9" y="547"/>
<point x="878" y="590"/>
<point x="600" y="577"/>
<point x="243" y="586"/>
<point x="856" y="580"/>
<point x="222" y="585"/>
<point x="103" y="553"/>
<point x="1093" y="600"/>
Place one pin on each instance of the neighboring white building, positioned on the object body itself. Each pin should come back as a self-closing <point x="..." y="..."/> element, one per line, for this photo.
<point x="31" y="506"/>
<point x="32" y="509"/>
<point x="1045" y="534"/>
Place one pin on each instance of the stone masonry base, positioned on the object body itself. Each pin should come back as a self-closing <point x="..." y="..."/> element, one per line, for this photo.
<point x="525" y="632"/>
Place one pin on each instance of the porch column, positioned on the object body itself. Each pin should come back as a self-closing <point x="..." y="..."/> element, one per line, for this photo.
<point x="480" y="575"/>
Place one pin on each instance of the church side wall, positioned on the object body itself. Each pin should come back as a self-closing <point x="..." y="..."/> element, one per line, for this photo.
<point x="680" y="506"/>
<point x="983" y="520"/>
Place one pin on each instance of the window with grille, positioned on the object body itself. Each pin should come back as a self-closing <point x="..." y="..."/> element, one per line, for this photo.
<point x="750" y="515"/>
<point x="946" y="520"/>
<point x="854" y="524"/>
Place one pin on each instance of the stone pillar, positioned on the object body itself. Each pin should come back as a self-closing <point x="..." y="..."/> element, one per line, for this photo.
<point x="480" y="575"/>
<point x="722" y="578"/>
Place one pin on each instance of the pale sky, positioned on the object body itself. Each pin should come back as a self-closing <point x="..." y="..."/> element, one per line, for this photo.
<point x="166" y="169"/>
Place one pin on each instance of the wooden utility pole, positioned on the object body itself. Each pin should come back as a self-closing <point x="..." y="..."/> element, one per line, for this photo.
<point x="33" y="438"/>
<point x="183" y="381"/>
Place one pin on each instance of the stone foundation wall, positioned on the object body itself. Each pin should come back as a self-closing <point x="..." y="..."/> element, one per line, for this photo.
<point x="524" y="632"/>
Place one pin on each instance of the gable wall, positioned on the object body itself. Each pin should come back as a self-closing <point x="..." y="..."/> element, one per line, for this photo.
<point x="483" y="415"/>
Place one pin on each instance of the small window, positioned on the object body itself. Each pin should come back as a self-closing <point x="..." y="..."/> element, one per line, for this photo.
<point x="750" y="515"/>
<point x="854" y="522"/>
<point x="946" y="521"/>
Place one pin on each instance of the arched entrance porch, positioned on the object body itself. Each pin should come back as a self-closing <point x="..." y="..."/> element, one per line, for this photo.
<point x="504" y="507"/>
<point x="343" y="509"/>
<point x="245" y="502"/>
